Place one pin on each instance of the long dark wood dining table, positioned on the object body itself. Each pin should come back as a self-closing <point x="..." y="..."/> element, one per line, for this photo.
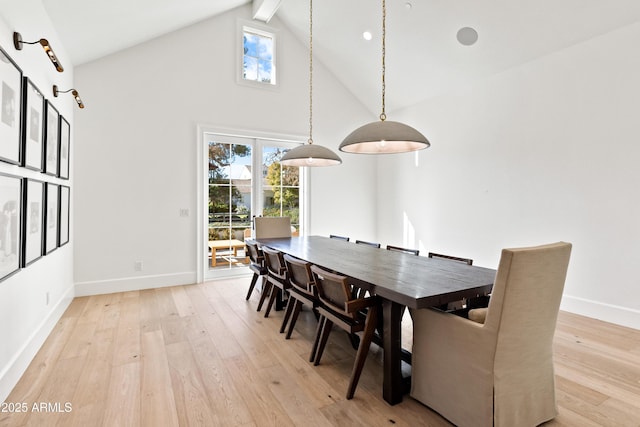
<point x="399" y="279"/>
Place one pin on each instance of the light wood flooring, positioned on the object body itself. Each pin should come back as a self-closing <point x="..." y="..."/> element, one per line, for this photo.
<point x="200" y="355"/>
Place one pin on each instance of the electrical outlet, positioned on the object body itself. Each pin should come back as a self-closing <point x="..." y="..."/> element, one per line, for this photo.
<point x="184" y="212"/>
<point x="137" y="266"/>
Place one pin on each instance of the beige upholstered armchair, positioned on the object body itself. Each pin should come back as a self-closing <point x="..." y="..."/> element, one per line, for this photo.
<point x="499" y="373"/>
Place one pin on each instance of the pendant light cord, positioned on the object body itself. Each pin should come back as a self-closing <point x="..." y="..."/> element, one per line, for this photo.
<point x="310" y="141"/>
<point x="383" y="115"/>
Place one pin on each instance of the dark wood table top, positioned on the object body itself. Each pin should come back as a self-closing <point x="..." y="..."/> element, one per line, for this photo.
<point x="406" y="279"/>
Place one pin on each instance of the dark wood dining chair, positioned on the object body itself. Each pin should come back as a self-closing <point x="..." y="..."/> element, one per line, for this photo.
<point x="333" y="236"/>
<point x="302" y="291"/>
<point x="277" y="275"/>
<point x="362" y="242"/>
<point x="456" y="305"/>
<point x="415" y="252"/>
<point x="467" y="261"/>
<point x="256" y="264"/>
<point x="338" y="307"/>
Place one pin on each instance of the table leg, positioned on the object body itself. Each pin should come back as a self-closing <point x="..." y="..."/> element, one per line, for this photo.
<point x="392" y="386"/>
<point x="213" y="257"/>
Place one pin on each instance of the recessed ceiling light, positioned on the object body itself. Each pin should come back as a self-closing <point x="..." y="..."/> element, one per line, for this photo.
<point x="467" y="36"/>
<point x="408" y="5"/>
<point x="367" y="35"/>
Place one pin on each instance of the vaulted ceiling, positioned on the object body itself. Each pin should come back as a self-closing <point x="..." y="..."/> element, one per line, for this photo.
<point x="424" y="57"/>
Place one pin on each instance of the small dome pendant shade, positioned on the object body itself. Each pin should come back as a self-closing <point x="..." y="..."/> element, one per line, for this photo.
<point x="310" y="155"/>
<point x="382" y="137"/>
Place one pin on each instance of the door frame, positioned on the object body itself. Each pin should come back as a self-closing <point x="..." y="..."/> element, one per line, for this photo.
<point x="202" y="169"/>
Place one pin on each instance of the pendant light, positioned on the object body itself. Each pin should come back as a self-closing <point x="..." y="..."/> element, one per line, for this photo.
<point x="384" y="136"/>
<point x="310" y="154"/>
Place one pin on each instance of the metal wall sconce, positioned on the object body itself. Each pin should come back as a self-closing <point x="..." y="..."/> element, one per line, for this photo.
<point x="18" y="43"/>
<point x="74" y="92"/>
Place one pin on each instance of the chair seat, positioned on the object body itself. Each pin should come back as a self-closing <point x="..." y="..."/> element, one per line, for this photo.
<point x="258" y="269"/>
<point x="346" y="323"/>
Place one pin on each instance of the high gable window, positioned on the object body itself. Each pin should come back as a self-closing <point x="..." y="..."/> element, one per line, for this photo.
<point x="259" y="56"/>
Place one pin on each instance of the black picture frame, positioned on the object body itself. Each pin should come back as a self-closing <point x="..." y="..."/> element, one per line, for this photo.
<point x="52" y="141"/>
<point x="32" y="126"/>
<point x="65" y="205"/>
<point x="65" y="142"/>
<point x="51" y="218"/>
<point x="10" y="225"/>
<point x="11" y="110"/>
<point x="33" y="220"/>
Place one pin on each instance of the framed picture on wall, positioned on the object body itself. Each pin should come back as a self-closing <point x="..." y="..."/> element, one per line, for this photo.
<point x="51" y="218"/>
<point x="33" y="221"/>
<point x="32" y="129"/>
<point x="10" y="115"/>
<point x="63" y="238"/>
<point x="65" y="137"/>
<point x="51" y="141"/>
<point x="10" y="230"/>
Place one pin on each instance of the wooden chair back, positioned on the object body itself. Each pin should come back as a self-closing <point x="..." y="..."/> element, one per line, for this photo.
<point x="255" y="254"/>
<point x="274" y="261"/>
<point x="333" y="290"/>
<point x="362" y="242"/>
<point x="467" y="261"/>
<point x="300" y="275"/>
<point x="415" y="252"/>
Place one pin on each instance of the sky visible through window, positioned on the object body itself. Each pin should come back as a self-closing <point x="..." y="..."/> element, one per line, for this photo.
<point x="258" y="57"/>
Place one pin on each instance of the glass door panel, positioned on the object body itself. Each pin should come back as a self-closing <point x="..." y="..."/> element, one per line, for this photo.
<point x="230" y="202"/>
<point x="280" y="187"/>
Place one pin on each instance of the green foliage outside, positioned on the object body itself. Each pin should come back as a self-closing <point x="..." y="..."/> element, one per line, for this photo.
<point x="285" y="183"/>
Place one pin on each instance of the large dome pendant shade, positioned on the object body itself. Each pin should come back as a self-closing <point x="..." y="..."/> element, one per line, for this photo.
<point x="310" y="155"/>
<point x="384" y="137"/>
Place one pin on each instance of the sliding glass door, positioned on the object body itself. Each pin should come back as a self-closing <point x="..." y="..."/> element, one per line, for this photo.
<point x="245" y="179"/>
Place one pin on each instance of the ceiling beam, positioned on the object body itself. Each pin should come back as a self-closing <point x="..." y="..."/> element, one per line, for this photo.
<point x="263" y="10"/>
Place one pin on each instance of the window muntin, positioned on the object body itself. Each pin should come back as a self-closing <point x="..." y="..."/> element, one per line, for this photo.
<point x="281" y="186"/>
<point x="258" y="59"/>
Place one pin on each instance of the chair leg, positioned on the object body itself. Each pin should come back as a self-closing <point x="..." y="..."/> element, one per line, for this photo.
<point x="287" y="315"/>
<point x="354" y="339"/>
<point x="363" y="350"/>
<point x="254" y="279"/>
<point x="266" y="287"/>
<point x="314" y="349"/>
<point x="326" y="330"/>
<point x="294" y="317"/>
<point x="274" y="294"/>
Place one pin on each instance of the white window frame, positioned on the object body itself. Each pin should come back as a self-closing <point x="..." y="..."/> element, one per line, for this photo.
<point x="252" y="26"/>
<point x="259" y="139"/>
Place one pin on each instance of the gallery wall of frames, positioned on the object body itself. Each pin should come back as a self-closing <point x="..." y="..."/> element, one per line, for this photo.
<point x="34" y="220"/>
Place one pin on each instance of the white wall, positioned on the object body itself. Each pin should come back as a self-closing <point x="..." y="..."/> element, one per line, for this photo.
<point x="544" y="152"/>
<point x="136" y="151"/>
<point x="25" y="316"/>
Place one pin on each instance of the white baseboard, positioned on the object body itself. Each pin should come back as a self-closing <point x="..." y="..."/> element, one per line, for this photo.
<point x="133" y="283"/>
<point x="10" y="376"/>
<point x="609" y="313"/>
